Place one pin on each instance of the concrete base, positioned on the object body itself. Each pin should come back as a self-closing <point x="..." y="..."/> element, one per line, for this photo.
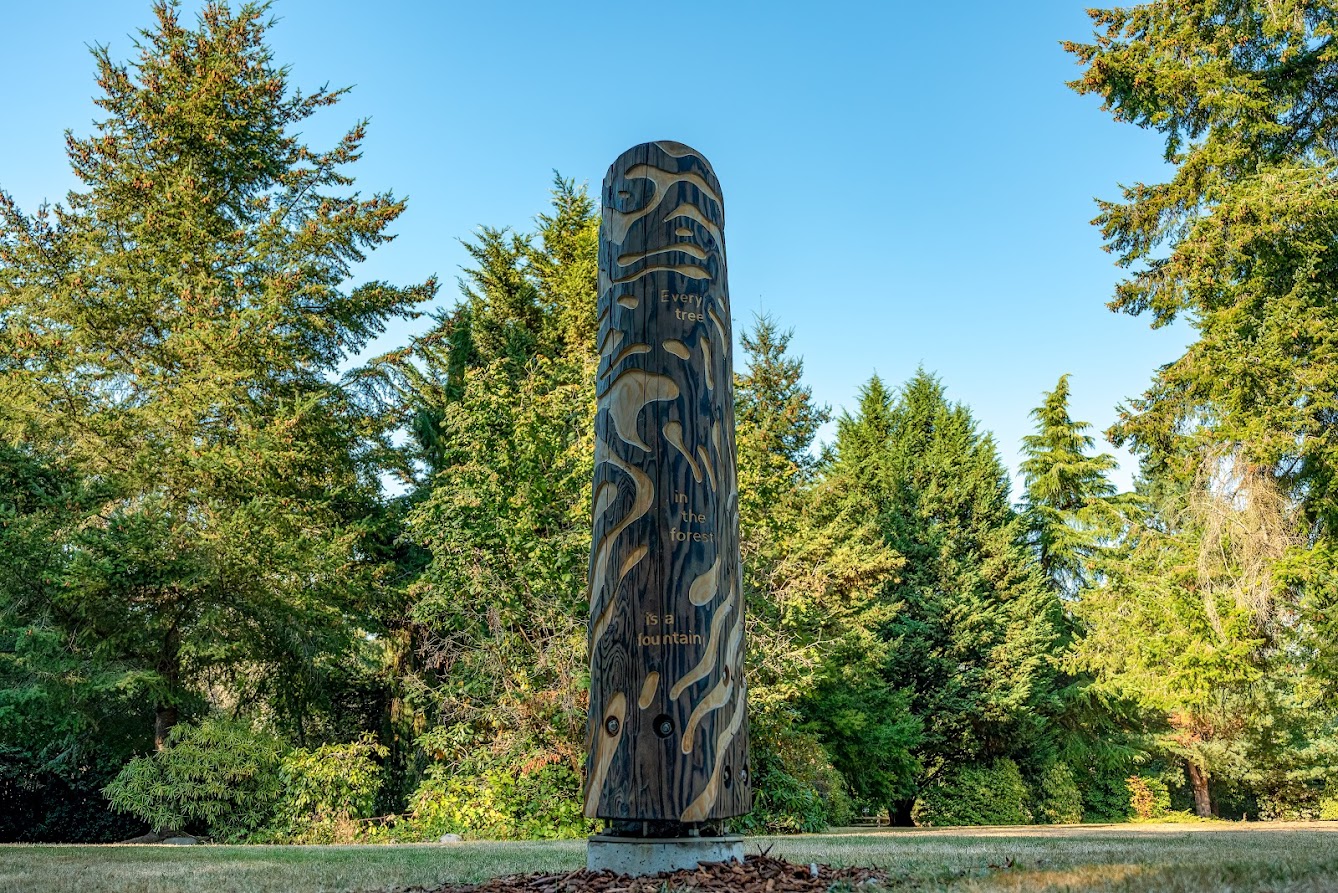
<point x="639" y="856"/>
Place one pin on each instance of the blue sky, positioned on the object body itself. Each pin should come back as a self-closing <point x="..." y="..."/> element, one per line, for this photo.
<point x="905" y="184"/>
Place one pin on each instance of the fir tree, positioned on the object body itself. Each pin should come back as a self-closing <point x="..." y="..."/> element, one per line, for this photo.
<point x="173" y="332"/>
<point x="975" y="627"/>
<point x="814" y="566"/>
<point x="1067" y="500"/>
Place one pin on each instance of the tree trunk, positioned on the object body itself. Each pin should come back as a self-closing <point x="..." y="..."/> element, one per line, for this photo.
<point x="164" y="717"/>
<point x="899" y="814"/>
<point x="1198" y="780"/>
<point x="165" y="713"/>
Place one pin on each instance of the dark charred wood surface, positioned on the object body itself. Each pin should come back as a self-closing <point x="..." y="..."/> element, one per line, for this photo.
<point x="668" y="730"/>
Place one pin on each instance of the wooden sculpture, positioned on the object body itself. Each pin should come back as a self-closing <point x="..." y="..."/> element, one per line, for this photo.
<point x="668" y="728"/>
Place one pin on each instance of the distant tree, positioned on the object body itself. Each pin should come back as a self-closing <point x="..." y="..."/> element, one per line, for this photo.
<point x="174" y="334"/>
<point x="975" y="629"/>
<point x="1067" y="502"/>
<point x="814" y="568"/>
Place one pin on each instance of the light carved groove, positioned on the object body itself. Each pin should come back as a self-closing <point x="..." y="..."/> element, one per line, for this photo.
<point x="716" y="697"/>
<point x="677" y="348"/>
<point x="706" y="362"/>
<point x="677" y="149"/>
<point x="689" y="248"/>
<point x="605" y="747"/>
<point x="612" y="338"/>
<point x="645" y="495"/>
<point x="703" y="588"/>
<point x="701" y="807"/>
<point x="673" y="432"/>
<point x="604" y="498"/>
<point x="691" y="271"/>
<point x="693" y="213"/>
<point x="633" y="558"/>
<point x="630" y="350"/>
<point x="719" y="327"/>
<point x="629" y="394"/>
<point x="664" y="180"/>
<point x="706" y="464"/>
<point x="710" y="655"/>
<point x="631" y="302"/>
<point x="648" y="689"/>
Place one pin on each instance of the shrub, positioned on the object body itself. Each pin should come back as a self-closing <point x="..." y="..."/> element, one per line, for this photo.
<point x="1149" y="798"/>
<point x="1058" y="800"/>
<point x="1105" y="797"/>
<point x="531" y="803"/>
<point x="219" y="777"/>
<point x="59" y="801"/>
<point x="325" y="790"/>
<point x="1292" y="803"/>
<point x="795" y="787"/>
<point x="974" y="795"/>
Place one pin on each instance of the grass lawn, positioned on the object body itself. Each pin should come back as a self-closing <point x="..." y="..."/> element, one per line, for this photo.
<point x="1281" y="858"/>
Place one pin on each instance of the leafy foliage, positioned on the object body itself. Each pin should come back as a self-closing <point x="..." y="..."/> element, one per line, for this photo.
<point x="220" y="777"/>
<point x="1148" y="797"/>
<point x="539" y="803"/>
<point x="975" y="795"/>
<point x="325" y="790"/>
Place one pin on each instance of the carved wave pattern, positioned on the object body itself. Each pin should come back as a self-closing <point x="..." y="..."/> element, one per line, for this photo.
<point x="664" y="452"/>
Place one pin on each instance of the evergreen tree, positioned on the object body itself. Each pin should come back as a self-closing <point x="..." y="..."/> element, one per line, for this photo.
<point x="1067" y="501"/>
<point x="1238" y="242"/>
<point x="813" y="570"/>
<point x="975" y="628"/>
<point x="504" y="389"/>
<point x="172" y="333"/>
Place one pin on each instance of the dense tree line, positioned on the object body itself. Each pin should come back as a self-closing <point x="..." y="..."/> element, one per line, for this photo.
<point x="216" y="615"/>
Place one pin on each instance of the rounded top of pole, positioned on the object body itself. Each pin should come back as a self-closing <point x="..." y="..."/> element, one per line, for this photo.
<point x="643" y="174"/>
<point x="671" y="148"/>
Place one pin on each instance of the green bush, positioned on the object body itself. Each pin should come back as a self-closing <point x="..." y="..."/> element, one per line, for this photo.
<point x="532" y="803"/>
<point x="1292" y="803"/>
<point x="325" y="791"/>
<point x="974" y="795"/>
<point x="795" y="787"/>
<point x="219" y="778"/>
<point x="1105" y="797"/>
<point x="1149" y="798"/>
<point x="1058" y="800"/>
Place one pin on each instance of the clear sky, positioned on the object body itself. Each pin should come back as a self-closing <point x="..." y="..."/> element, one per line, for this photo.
<point x="905" y="184"/>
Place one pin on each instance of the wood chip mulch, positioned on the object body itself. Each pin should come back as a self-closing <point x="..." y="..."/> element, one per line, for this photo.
<point x="758" y="874"/>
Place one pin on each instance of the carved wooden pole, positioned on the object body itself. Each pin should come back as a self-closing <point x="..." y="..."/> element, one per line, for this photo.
<point x="668" y="729"/>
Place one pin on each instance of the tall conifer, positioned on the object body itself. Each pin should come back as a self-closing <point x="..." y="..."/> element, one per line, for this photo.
<point x="973" y="634"/>
<point x="1067" y="498"/>
<point x="174" y="332"/>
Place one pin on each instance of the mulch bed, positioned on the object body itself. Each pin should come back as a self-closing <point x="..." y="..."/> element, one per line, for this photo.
<point x="758" y="874"/>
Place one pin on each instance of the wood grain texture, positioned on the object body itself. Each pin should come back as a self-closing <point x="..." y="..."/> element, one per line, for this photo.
<point x="666" y="604"/>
